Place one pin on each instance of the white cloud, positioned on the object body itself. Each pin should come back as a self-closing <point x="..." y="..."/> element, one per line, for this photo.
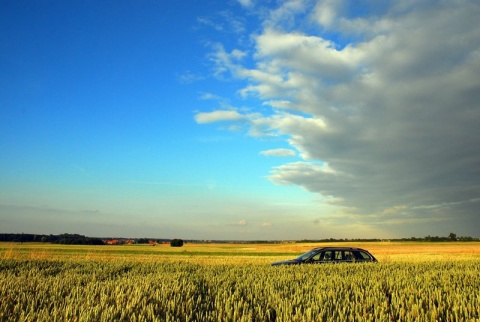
<point x="279" y="153"/>
<point x="387" y="96"/>
<point x="246" y="3"/>
<point x="309" y="54"/>
<point x="326" y="12"/>
<point x="225" y="62"/>
<point x="281" y="104"/>
<point x="283" y="123"/>
<point x="305" y="174"/>
<point x="210" y="96"/>
<point x="217" y="116"/>
<point x="285" y="14"/>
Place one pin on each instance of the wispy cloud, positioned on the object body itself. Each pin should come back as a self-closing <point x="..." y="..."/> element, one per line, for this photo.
<point x="246" y="3"/>
<point x="218" y="116"/>
<point x="189" y="77"/>
<point x="83" y="170"/>
<point x="224" y="21"/>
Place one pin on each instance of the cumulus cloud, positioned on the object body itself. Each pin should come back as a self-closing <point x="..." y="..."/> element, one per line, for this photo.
<point x="278" y="153"/>
<point x="382" y="103"/>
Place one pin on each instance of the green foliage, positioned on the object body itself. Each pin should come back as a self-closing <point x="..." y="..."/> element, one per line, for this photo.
<point x="41" y="290"/>
<point x="176" y="243"/>
<point x="66" y="239"/>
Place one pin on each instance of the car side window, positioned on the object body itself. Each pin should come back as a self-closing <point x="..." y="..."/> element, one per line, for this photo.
<point x="349" y="256"/>
<point x="327" y="256"/>
<point x="338" y="255"/>
<point x="316" y="257"/>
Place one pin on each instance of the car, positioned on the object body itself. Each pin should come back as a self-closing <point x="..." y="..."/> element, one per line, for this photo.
<point x="324" y="255"/>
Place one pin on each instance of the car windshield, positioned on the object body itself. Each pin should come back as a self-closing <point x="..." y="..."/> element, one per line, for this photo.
<point x="307" y="255"/>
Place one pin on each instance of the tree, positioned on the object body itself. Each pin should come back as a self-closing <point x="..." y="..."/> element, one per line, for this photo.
<point x="452" y="237"/>
<point x="176" y="243"/>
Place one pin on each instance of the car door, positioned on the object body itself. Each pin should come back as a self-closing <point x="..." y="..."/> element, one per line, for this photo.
<point x="338" y="256"/>
<point x="348" y="256"/>
<point x="328" y="256"/>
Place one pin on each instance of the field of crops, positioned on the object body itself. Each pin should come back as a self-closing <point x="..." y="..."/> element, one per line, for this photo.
<point x="235" y="283"/>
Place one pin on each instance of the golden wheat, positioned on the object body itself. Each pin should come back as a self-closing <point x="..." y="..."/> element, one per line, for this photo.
<point x="186" y="290"/>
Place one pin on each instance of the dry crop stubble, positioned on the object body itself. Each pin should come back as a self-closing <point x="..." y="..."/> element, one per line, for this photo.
<point x="238" y="253"/>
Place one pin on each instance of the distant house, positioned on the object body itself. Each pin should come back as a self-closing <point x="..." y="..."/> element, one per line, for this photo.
<point x="112" y="241"/>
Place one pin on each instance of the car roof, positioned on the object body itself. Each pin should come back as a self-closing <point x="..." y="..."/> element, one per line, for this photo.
<point x="338" y="248"/>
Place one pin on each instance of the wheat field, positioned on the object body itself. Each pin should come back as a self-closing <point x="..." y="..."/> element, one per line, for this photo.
<point x="233" y="282"/>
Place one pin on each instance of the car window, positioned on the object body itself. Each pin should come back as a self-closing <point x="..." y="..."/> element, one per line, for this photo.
<point x="364" y="255"/>
<point x="338" y="255"/>
<point x="349" y="256"/>
<point x="307" y="255"/>
<point x="327" y="255"/>
<point x="316" y="257"/>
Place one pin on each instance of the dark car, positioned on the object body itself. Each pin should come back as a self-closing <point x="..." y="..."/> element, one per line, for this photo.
<point x="331" y="255"/>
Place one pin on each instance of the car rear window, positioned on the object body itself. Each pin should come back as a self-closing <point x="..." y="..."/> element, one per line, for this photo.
<point x="364" y="255"/>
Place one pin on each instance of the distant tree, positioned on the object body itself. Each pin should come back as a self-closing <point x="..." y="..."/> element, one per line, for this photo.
<point x="452" y="237"/>
<point x="466" y="238"/>
<point x="76" y="239"/>
<point x="176" y="243"/>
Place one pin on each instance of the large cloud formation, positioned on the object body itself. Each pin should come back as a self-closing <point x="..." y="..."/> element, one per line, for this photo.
<point x="382" y="103"/>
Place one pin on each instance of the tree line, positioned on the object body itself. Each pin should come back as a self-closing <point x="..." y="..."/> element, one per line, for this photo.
<point x="449" y="238"/>
<point x="73" y="239"/>
<point x="84" y="240"/>
<point x="76" y="239"/>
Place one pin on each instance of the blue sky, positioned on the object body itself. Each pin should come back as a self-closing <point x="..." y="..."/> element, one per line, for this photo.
<point x="240" y="119"/>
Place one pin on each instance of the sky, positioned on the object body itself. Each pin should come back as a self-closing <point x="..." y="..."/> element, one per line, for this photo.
<point x="240" y="119"/>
